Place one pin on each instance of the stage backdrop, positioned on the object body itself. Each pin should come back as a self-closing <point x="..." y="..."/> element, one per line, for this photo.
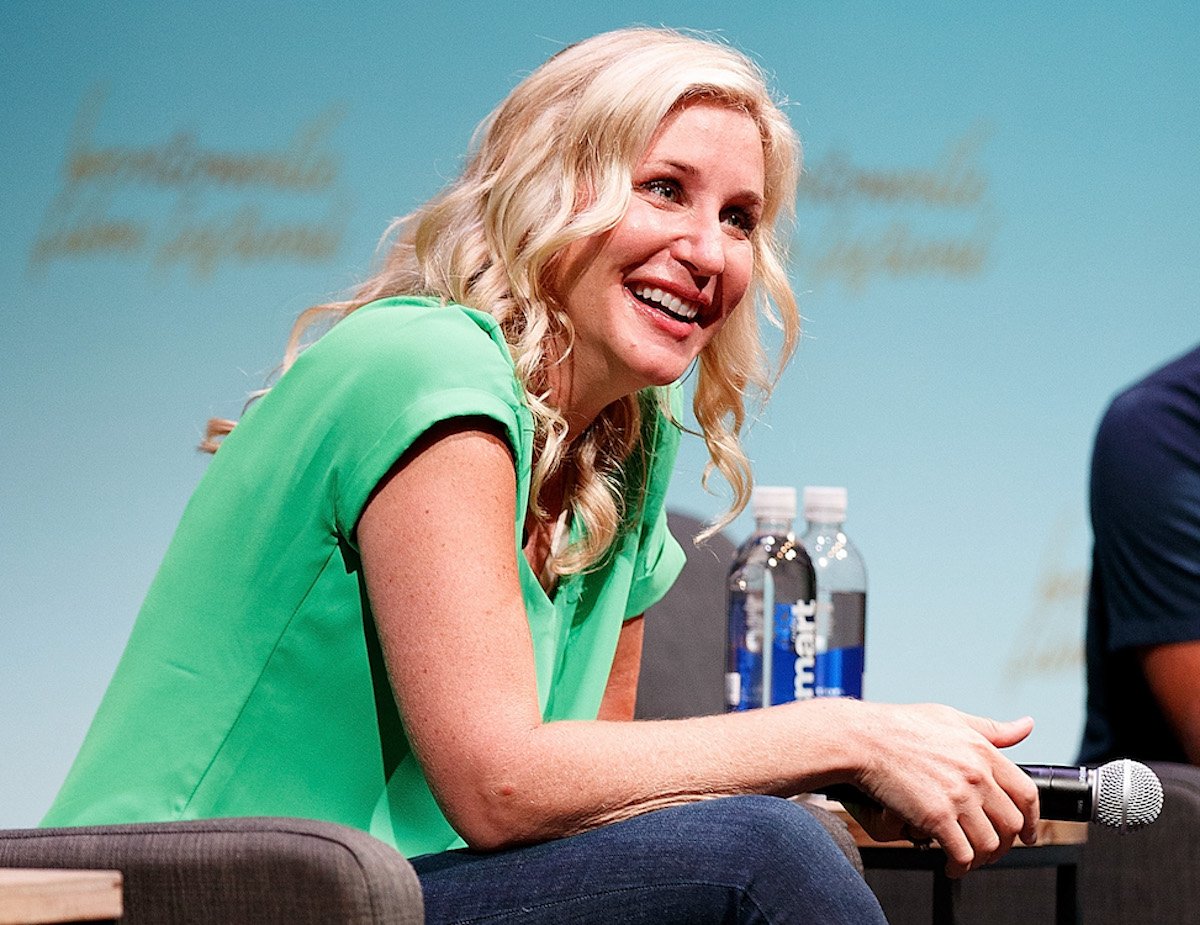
<point x="997" y="230"/>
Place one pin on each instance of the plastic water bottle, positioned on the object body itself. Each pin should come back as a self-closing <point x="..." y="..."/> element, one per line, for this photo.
<point x="772" y="637"/>
<point x="841" y="594"/>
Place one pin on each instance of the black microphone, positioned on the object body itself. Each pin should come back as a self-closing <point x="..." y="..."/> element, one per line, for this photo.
<point x="1122" y="794"/>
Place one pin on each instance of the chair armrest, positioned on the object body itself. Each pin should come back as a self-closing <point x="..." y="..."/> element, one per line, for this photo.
<point x="221" y="871"/>
<point x="838" y="831"/>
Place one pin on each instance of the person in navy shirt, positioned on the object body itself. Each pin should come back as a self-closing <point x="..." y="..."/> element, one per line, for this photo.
<point x="1143" y="631"/>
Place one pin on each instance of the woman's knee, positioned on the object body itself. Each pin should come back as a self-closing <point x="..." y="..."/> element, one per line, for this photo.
<point x="778" y="854"/>
<point x="760" y="830"/>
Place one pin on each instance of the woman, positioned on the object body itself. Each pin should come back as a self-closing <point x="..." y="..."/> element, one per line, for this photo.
<point x="407" y="594"/>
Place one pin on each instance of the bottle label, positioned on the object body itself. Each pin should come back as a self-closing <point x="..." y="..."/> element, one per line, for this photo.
<point x="789" y="670"/>
<point x="797" y="638"/>
<point x="840" y="673"/>
<point x="743" y="675"/>
<point x="841" y="655"/>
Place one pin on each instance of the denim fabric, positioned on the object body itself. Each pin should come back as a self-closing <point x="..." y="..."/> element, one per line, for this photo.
<point x="751" y="860"/>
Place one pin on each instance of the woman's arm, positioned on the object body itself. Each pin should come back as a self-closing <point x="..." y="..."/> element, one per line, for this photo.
<point x="620" y="694"/>
<point x="440" y="564"/>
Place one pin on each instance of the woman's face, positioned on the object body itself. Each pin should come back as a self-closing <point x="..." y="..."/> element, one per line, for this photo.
<point x="646" y="296"/>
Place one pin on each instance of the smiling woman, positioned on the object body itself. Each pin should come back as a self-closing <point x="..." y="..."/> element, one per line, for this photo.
<point x="407" y="594"/>
<point x="645" y="298"/>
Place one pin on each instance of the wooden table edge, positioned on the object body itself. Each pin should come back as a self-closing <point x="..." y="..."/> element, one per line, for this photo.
<point x="31" y="895"/>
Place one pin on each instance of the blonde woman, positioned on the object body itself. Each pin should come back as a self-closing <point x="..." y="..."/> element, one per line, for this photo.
<point x="407" y="594"/>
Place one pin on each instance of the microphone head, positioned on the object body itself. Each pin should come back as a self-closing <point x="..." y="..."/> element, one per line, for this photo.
<point x="1129" y="795"/>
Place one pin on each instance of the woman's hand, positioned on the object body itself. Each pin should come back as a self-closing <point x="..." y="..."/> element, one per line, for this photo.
<point x="938" y="772"/>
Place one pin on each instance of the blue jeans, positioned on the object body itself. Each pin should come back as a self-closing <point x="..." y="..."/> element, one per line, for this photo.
<point x="749" y="859"/>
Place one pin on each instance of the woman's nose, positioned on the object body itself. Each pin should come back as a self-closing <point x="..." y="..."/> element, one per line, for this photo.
<point x="700" y="245"/>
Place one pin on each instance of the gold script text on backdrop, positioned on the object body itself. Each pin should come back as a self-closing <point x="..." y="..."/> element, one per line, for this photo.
<point x="181" y="203"/>
<point x="861" y="222"/>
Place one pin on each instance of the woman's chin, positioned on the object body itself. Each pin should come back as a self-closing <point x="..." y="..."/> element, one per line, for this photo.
<point x="664" y="373"/>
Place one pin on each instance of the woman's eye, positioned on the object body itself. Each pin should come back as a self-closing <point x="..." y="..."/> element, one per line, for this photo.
<point x="667" y="189"/>
<point x="740" y="219"/>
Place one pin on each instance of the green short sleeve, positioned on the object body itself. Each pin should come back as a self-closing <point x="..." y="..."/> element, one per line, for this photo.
<point x="386" y="374"/>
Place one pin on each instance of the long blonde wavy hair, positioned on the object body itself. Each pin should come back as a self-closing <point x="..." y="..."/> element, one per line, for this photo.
<point x="552" y="164"/>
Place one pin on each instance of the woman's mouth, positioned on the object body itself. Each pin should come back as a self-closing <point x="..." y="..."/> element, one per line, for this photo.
<point x="675" y="307"/>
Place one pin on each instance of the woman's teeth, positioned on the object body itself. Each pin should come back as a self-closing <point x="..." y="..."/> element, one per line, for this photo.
<point x="672" y="305"/>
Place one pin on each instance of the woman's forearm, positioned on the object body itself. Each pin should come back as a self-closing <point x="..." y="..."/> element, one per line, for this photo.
<point x="937" y="769"/>
<point x="568" y="776"/>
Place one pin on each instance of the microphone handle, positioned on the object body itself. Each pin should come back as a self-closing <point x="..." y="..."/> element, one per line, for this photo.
<point x="1064" y="793"/>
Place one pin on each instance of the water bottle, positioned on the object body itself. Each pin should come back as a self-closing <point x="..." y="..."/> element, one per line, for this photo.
<point x="841" y="594"/>
<point x="772" y="637"/>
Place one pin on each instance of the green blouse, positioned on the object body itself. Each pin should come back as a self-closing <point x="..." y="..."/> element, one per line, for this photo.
<point x="253" y="682"/>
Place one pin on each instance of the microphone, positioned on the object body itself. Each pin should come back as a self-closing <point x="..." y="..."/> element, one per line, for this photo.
<point x="1123" y="794"/>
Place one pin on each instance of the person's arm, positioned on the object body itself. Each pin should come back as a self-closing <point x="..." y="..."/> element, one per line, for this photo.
<point x="439" y="558"/>
<point x="1173" y="674"/>
<point x="620" y="694"/>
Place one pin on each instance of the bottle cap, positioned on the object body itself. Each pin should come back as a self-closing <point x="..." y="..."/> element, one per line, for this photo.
<point x="824" y="504"/>
<point x="773" y="502"/>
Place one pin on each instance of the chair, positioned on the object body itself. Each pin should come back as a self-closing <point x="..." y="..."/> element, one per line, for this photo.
<point x="683" y="654"/>
<point x="1151" y="875"/>
<point x="228" y="871"/>
<point x="1145" y="877"/>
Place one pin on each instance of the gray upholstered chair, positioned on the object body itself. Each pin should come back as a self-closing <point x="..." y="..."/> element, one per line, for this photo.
<point x="233" y="871"/>
<point x="1152" y="875"/>
<point x="683" y="658"/>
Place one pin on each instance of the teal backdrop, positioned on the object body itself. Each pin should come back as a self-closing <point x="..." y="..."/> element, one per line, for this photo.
<point x="997" y="230"/>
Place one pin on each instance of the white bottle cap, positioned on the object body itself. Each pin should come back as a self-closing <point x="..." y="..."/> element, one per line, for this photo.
<point x="824" y="504"/>
<point x="773" y="502"/>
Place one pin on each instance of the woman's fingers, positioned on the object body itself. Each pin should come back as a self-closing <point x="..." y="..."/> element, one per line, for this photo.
<point x="942" y="771"/>
<point x="959" y="854"/>
<point x="1023" y="793"/>
<point x="975" y="839"/>
<point x="991" y="836"/>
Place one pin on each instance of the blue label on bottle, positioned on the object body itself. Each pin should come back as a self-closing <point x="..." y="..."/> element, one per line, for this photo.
<point x="749" y="688"/>
<point x="743" y="679"/>
<point x="840" y="672"/>
<point x="788" y="672"/>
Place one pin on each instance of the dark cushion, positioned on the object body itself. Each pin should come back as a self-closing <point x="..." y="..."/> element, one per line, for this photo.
<point x="683" y="661"/>
<point x="1150" y="875"/>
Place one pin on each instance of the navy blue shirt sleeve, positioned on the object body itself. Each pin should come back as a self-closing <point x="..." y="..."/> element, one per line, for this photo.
<point x="1145" y="499"/>
<point x="1145" y="583"/>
